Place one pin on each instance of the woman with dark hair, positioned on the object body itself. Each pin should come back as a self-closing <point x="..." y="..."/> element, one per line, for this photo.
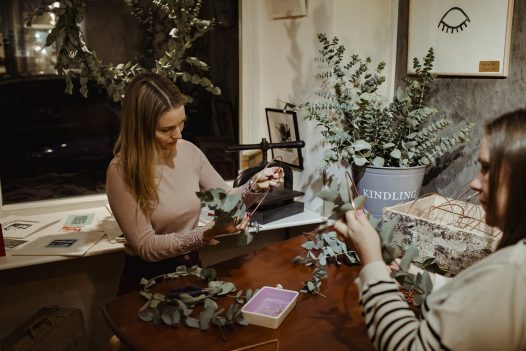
<point x="153" y="179"/>
<point x="483" y="307"/>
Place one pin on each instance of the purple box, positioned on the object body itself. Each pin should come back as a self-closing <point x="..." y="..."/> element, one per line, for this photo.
<point x="269" y="306"/>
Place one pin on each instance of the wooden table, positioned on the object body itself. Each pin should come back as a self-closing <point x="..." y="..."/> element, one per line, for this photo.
<point x="316" y="323"/>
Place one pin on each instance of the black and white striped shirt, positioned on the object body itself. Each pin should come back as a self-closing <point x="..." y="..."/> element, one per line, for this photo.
<point x="482" y="308"/>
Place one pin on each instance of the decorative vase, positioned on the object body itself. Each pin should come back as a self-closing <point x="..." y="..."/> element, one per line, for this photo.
<point x="387" y="186"/>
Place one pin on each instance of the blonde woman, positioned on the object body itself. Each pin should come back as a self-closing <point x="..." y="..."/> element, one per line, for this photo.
<point x="153" y="179"/>
<point x="483" y="307"/>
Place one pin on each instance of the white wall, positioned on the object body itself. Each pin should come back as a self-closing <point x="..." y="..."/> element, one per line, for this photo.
<point x="277" y="64"/>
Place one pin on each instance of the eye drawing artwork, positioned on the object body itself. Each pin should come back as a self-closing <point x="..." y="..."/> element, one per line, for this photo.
<point x="468" y="37"/>
<point x="454" y="20"/>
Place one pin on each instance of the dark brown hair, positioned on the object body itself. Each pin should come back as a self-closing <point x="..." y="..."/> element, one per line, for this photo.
<point x="507" y="172"/>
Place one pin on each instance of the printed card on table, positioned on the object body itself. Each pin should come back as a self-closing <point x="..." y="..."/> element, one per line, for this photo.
<point x="74" y="223"/>
<point x="61" y="244"/>
<point x="19" y="227"/>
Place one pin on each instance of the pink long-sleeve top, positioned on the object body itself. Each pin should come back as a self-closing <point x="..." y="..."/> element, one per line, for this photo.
<point x="171" y="229"/>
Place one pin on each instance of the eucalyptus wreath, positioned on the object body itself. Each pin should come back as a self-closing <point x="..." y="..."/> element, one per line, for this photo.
<point x="176" y="20"/>
<point x="170" y="309"/>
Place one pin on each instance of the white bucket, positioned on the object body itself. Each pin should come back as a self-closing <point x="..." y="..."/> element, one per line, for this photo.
<point x="388" y="186"/>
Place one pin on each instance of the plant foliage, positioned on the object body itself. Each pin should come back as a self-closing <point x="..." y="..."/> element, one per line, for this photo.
<point x="76" y="60"/>
<point x="362" y="128"/>
<point x="323" y="249"/>
<point x="177" y="306"/>
<point x="329" y="247"/>
<point x="226" y="208"/>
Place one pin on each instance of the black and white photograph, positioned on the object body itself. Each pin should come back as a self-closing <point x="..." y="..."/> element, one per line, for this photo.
<point x="282" y="128"/>
<point x="61" y="243"/>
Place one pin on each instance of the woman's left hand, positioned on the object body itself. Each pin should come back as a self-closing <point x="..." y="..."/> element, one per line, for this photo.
<point x="356" y="228"/>
<point x="270" y="177"/>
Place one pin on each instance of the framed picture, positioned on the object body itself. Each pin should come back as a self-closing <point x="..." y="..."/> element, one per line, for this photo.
<point x="286" y="8"/>
<point x="469" y="37"/>
<point x="283" y="127"/>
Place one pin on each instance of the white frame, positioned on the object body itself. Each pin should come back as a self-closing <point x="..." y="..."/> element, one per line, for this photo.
<point x="469" y="37"/>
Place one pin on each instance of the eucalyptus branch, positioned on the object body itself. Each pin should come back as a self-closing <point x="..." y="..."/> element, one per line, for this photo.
<point x="226" y="209"/>
<point x="360" y="126"/>
<point x="76" y="60"/>
<point x="319" y="253"/>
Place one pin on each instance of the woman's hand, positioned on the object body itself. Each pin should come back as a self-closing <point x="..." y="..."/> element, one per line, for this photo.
<point x="395" y="267"/>
<point x="357" y="231"/>
<point x="270" y="177"/>
<point x="213" y="229"/>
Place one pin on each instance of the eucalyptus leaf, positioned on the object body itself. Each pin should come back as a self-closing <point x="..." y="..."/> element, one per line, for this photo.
<point x="192" y="322"/>
<point x="186" y="298"/>
<point x="245" y="238"/>
<point x="248" y="294"/>
<point x="242" y="321"/>
<point x="308" y="245"/>
<point x="170" y="315"/>
<point x="322" y="259"/>
<point x="227" y="288"/>
<point x="328" y="194"/>
<point x="359" y="201"/>
<point x="146" y="313"/>
<point x="360" y="145"/>
<point x="410" y="254"/>
<point x="378" y="161"/>
<point x="231" y="202"/>
<point x="344" y="193"/>
<point x="396" y="153"/>
<point x="359" y="160"/>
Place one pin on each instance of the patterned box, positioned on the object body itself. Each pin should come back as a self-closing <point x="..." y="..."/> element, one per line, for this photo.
<point x="451" y="231"/>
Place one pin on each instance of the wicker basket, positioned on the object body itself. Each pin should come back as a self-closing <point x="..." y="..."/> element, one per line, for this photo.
<point x="50" y="329"/>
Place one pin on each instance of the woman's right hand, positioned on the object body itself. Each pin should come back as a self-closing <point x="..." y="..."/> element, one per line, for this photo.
<point x="213" y="229"/>
<point x="363" y="237"/>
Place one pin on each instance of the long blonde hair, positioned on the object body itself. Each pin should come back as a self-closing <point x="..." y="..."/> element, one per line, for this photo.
<point x="147" y="97"/>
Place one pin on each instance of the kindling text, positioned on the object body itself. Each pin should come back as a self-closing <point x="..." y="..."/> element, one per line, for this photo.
<point x="385" y="195"/>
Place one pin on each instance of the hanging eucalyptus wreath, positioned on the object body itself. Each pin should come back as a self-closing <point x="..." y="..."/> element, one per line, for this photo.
<point x="75" y="60"/>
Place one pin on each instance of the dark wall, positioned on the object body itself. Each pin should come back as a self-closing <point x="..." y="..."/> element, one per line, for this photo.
<point x="473" y="99"/>
<point x="212" y="120"/>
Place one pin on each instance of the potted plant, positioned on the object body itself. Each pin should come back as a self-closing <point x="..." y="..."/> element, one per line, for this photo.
<point x="379" y="138"/>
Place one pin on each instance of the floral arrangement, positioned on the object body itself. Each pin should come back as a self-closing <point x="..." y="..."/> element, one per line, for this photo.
<point x="362" y="128"/>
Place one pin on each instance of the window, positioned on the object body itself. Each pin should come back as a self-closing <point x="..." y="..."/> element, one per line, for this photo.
<point x="56" y="145"/>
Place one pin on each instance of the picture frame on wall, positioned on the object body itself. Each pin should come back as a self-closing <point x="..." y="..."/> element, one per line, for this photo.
<point x="469" y="37"/>
<point x="283" y="127"/>
<point x="279" y="9"/>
